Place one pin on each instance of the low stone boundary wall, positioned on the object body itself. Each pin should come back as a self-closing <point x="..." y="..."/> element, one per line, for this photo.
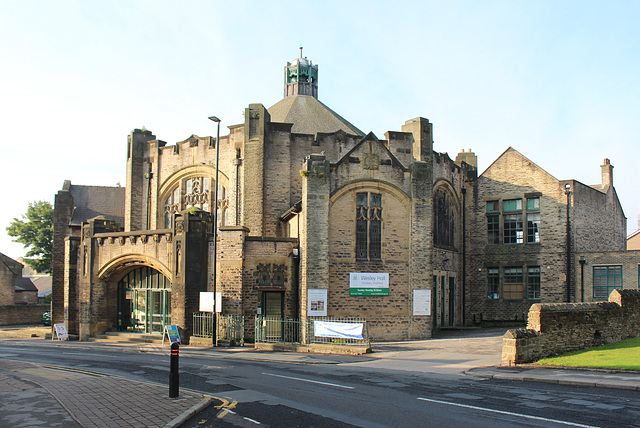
<point x="557" y="328"/>
<point x="22" y="314"/>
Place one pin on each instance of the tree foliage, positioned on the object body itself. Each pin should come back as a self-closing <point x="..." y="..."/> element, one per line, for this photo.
<point x="35" y="232"/>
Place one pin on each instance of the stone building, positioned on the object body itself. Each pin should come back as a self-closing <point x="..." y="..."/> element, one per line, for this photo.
<point x="14" y="287"/>
<point x="526" y="228"/>
<point x="315" y="218"/>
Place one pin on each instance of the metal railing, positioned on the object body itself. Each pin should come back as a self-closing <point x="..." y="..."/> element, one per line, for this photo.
<point x="202" y="324"/>
<point x="277" y="330"/>
<point x="228" y="327"/>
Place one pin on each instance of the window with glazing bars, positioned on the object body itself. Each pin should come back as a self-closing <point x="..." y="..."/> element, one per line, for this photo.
<point x="533" y="283"/>
<point x="605" y="280"/>
<point x="368" y="226"/>
<point x="513" y="283"/>
<point x="493" y="283"/>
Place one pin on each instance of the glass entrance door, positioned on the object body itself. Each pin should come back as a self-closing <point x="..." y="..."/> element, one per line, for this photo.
<point x="144" y="301"/>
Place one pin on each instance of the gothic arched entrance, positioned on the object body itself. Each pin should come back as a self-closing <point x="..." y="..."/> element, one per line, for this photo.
<point x="144" y="301"/>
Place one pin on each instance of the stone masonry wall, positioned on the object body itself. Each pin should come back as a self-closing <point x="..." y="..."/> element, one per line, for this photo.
<point x="513" y="176"/>
<point x="563" y="327"/>
<point x="22" y="314"/>
<point x="8" y="276"/>
<point x="598" y="221"/>
<point x="628" y="260"/>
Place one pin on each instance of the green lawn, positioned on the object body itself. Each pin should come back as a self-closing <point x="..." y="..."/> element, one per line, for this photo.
<point x="620" y="355"/>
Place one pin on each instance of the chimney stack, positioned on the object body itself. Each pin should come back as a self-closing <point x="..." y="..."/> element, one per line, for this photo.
<point x="607" y="173"/>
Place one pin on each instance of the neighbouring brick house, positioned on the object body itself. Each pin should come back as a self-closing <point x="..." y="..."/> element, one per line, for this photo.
<point x="315" y="217"/>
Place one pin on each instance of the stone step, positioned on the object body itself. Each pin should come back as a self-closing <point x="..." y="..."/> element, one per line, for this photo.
<point x="117" y="336"/>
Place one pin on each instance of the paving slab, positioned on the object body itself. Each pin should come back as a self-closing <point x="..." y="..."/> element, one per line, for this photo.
<point x="76" y="398"/>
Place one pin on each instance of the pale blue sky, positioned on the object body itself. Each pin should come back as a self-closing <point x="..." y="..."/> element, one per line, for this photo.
<point x="558" y="81"/>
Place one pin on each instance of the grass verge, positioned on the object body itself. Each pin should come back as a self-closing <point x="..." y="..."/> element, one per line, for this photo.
<point x="623" y="355"/>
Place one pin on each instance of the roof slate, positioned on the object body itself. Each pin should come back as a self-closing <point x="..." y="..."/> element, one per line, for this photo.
<point x="92" y="201"/>
<point x="310" y="116"/>
<point x="25" y="284"/>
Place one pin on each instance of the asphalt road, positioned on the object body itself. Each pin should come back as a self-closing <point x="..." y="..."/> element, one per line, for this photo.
<point x="347" y="391"/>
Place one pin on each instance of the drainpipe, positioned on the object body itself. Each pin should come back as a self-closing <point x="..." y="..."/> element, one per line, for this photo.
<point x="464" y="252"/>
<point x="582" y="262"/>
<point x="237" y="162"/>
<point x="567" y="191"/>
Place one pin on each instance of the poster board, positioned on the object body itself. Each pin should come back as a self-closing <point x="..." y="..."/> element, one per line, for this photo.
<point x="421" y="302"/>
<point x="317" y="306"/>
<point x="61" y="331"/>
<point x="208" y="301"/>
<point x="171" y="331"/>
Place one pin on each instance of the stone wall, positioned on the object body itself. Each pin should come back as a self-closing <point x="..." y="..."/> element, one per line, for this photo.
<point x="564" y="327"/>
<point x="22" y="314"/>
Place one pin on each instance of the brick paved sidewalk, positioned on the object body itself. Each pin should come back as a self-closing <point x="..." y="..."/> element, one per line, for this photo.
<point x="103" y="401"/>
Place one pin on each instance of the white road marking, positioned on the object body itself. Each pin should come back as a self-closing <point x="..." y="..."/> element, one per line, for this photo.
<point x="506" y="413"/>
<point x="252" y="420"/>
<point x="311" y="381"/>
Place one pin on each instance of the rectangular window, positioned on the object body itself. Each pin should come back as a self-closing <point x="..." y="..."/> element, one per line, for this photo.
<point x="605" y="280"/>
<point x="533" y="228"/>
<point x="492" y="207"/>
<point x="493" y="229"/>
<point x="533" y="204"/>
<point x="513" y="283"/>
<point x="493" y="283"/>
<point x="368" y="226"/>
<point x="533" y="283"/>
<point x="513" y="229"/>
<point x="512" y="205"/>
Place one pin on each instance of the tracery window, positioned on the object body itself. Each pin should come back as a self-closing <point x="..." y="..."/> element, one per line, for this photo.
<point x="368" y="226"/>
<point x="444" y="219"/>
<point x="195" y="192"/>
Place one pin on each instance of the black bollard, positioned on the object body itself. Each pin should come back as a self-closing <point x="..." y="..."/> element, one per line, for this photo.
<point x="174" y="374"/>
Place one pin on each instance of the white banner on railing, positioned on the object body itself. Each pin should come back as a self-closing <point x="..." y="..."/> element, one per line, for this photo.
<point x="339" y="330"/>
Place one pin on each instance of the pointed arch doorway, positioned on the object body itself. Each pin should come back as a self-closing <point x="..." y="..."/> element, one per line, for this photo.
<point x="144" y="301"/>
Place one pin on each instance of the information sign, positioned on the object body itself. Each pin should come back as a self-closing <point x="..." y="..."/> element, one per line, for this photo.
<point x="421" y="302"/>
<point x="317" y="302"/>
<point x="368" y="284"/>
<point x="61" y="331"/>
<point x="172" y="333"/>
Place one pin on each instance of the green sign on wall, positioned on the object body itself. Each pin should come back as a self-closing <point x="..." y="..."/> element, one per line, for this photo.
<point x="368" y="284"/>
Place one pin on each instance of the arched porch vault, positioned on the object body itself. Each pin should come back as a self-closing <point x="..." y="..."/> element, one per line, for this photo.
<point x="121" y="265"/>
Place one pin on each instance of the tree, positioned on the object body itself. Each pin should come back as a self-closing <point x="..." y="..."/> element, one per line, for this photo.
<point x="35" y="232"/>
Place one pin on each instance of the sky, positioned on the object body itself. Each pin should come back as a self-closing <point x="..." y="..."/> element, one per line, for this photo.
<point x="557" y="81"/>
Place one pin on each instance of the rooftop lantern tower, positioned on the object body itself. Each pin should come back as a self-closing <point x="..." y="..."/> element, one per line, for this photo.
<point x="301" y="78"/>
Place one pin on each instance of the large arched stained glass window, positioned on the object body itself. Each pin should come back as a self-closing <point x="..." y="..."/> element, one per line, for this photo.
<point x="195" y="192"/>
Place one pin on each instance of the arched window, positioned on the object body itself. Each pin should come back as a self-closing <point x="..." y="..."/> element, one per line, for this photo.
<point x="195" y="192"/>
<point x="444" y="219"/>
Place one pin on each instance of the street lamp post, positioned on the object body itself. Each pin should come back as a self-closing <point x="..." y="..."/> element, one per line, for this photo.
<point x="214" y="332"/>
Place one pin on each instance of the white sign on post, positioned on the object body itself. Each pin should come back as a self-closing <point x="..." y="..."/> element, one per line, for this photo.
<point x="206" y="301"/>
<point x="421" y="302"/>
<point x="218" y="302"/>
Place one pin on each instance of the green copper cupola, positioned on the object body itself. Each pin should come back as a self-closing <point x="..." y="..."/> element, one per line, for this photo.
<point x="301" y="78"/>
